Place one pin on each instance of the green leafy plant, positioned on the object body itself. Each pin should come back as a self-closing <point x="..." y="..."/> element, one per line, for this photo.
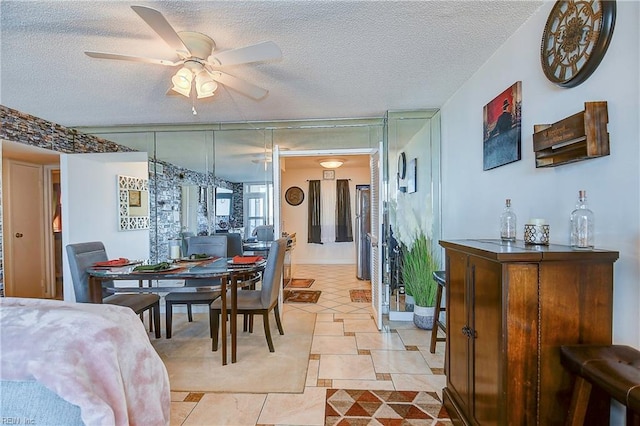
<point x="418" y="264"/>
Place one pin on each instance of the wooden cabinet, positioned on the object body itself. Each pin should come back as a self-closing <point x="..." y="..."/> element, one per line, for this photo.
<point x="510" y="306"/>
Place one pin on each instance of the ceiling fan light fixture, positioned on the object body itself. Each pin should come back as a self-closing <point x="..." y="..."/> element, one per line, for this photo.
<point x="331" y="163"/>
<point x="205" y="85"/>
<point x="182" y="79"/>
<point x="184" y="92"/>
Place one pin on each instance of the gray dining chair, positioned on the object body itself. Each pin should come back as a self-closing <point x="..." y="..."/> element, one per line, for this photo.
<point x="234" y="244"/>
<point x="264" y="232"/>
<point x="81" y="257"/>
<point x="212" y="245"/>
<point x="260" y="301"/>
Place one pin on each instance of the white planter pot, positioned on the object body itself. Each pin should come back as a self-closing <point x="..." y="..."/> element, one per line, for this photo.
<point x="423" y="317"/>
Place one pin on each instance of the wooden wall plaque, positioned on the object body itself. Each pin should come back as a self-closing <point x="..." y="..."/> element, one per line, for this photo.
<point x="579" y="137"/>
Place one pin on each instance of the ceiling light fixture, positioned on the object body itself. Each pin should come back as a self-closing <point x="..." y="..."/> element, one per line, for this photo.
<point x="331" y="163"/>
<point x="205" y="85"/>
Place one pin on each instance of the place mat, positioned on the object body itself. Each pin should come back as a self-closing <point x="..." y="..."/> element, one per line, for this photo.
<point x="300" y="283"/>
<point x="380" y="407"/>
<point x="301" y="296"/>
<point x="360" y="295"/>
<point x="242" y="260"/>
<point x="122" y="261"/>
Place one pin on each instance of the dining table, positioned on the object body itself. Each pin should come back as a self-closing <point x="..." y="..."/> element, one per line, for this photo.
<point x="232" y="273"/>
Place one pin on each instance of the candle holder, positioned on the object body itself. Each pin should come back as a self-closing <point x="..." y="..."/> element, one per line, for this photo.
<point x="536" y="232"/>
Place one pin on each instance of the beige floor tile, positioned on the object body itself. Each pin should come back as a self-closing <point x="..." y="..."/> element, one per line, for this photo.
<point x="419" y="382"/>
<point x="329" y="303"/>
<point x="227" y="409"/>
<point x="410" y="362"/>
<point x="354" y="367"/>
<point x="356" y="316"/>
<point x="312" y="372"/>
<point x="324" y="318"/>
<point x="386" y="341"/>
<point x="435" y="360"/>
<point x="180" y="411"/>
<point x="295" y="409"/>
<point x="360" y="326"/>
<point x="334" y="345"/>
<point x="415" y="337"/>
<point x="178" y="396"/>
<point x="363" y="384"/>
<point x="329" y="329"/>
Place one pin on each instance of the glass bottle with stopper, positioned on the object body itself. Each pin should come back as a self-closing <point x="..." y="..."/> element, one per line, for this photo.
<point x="508" y="223"/>
<point x="582" y="224"/>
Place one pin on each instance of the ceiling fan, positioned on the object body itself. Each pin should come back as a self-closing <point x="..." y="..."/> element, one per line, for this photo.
<point x="198" y="60"/>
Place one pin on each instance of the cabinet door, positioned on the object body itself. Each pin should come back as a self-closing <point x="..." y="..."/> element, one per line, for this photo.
<point x="457" y="322"/>
<point x="485" y="288"/>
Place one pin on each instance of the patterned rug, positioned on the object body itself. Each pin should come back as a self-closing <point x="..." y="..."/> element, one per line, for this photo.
<point x="301" y="296"/>
<point x="300" y="283"/>
<point x="378" y="407"/>
<point x="360" y="295"/>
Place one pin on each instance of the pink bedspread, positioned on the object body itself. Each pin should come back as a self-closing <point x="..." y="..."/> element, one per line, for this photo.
<point x="97" y="357"/>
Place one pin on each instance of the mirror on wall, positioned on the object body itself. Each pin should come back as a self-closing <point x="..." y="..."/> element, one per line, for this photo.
<point x="133" y="196"/>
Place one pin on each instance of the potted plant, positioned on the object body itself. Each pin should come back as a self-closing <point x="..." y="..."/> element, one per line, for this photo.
<point x="418" y="264"/>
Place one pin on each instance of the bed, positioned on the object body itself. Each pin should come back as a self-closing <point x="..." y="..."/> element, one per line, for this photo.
<point x="76" y="363"/>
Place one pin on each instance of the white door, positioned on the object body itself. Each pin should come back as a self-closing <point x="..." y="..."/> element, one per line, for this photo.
<point x="376" y="238"/>
<point x="25" y="262"/>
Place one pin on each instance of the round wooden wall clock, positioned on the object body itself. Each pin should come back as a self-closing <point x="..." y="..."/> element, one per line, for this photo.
<point x="575" y="39"/>
<point x="294" y="196"/>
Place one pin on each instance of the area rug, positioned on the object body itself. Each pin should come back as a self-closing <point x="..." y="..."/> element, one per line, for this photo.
<point x="194" y="367"/>
<point x="360" y="295"/>
<point x="378" y="407"/>
<point x="301" y="296"/>
<point x="300" y="283"/>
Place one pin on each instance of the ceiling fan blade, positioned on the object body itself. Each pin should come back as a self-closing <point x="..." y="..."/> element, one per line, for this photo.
<point x="264" y="51"/>
<point x="160" y="25"/>
<point x="100" y="55"/>
<point x="239" y="85"/>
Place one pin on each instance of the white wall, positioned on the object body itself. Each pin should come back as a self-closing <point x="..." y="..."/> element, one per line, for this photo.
<point x="473" y="198"/>
<point x="295" y="217"/>
<point x="90" y="206"/>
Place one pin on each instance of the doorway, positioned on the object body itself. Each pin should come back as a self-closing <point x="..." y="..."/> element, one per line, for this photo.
<point x="32" y="251"/>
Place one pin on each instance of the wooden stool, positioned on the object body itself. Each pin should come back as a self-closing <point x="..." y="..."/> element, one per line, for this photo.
<point x="439" y="277"/>
<point x="613" y="368"/>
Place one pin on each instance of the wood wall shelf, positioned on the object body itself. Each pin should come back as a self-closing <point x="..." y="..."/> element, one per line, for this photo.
<point x="579" y="137"/>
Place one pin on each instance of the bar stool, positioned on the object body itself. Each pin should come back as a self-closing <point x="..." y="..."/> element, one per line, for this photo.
<point x="439" y="277"/>
<point x="615" y="369"/>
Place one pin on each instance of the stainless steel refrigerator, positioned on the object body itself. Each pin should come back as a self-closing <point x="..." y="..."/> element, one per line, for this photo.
<point x="363" y="228"/>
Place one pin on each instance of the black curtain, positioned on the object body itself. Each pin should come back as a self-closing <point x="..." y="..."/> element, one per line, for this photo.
<point x="344" y="232"/>
<point x="315" y="233"/>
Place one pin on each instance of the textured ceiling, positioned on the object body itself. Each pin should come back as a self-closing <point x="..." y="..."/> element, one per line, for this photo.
<point x="340" y="59"/>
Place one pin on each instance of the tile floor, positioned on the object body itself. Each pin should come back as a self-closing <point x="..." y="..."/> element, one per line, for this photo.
<point x="347" y="352"/>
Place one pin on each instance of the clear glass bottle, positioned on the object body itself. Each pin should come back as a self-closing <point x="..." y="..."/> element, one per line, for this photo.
<point x="508" y="223"/>
<point x="582" y="224"/>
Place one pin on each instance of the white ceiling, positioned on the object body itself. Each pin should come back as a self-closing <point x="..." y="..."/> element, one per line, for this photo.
<point x="340" y="58"/>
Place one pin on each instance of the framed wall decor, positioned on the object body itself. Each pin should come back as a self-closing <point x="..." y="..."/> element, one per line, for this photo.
<point x="502" y="132"/>
<point x="133" y="203"/>
<point x="328" y="174"/>
<point x="134" y="198"/>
